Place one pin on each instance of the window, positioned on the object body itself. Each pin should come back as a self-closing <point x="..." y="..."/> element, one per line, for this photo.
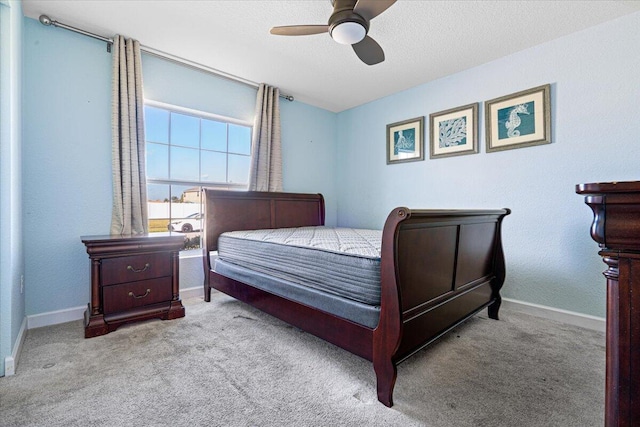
<point x="185" y="151"/>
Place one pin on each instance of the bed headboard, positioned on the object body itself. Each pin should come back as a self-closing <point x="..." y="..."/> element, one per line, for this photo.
<point x="251" y="210"/>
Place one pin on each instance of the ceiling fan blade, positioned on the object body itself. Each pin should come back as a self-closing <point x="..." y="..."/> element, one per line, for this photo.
<point x="369" y="51"/>
<point x="299" y="30"/>
<point x="369" y="9"/>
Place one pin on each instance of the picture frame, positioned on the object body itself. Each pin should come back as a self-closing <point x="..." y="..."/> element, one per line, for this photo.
<point x="405" y="141"/>
<point x="521" y="119"/>
<point x="454" y="132"/>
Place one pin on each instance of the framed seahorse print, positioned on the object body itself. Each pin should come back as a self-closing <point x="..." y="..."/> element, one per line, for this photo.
<point x="521" y="119"/>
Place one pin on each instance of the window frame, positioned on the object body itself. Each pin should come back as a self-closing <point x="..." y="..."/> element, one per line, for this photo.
<point x="191" y="183"/>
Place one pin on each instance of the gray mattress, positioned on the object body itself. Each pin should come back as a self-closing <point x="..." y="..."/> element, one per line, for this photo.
<point x="340" y="261"/>
<point x="336" y="270"/>
<point x="362" y="314"/>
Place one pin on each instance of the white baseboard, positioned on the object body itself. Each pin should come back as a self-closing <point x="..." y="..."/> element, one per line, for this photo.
<point x="63" y="316"/>
<point x="11" y="362"/>
<point x="570" y="317"/>
<point x="56" y="317"/>
<point x="77" y="313"/>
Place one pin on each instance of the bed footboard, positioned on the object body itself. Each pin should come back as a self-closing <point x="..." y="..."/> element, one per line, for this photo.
<point x="438" y="268"/>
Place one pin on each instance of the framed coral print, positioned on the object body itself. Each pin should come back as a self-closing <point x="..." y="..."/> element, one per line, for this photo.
<point x="522" y="119"/>
<point x="454" y="132"/>
<point x="404" y="141"/>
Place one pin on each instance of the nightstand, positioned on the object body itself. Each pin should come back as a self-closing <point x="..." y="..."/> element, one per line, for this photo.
<point x="133" y="278"/>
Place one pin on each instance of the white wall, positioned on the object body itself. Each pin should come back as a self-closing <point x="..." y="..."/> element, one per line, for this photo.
<point x="179" y="210"/>
<point x="595" y="93"/>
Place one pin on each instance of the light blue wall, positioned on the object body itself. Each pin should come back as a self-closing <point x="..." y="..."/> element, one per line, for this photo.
<point x="67" y="166"/>
<point x="176" y="84"/>
<point x="12" y="301"/>
<point x="551" y="259"/>
<point x="67" y="152"/>
<point x="308" y="133"/>
<point x="595" y="88"/>
<point x="309" y="152"/>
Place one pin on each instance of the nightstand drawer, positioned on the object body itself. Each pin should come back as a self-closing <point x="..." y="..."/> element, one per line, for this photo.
<point x="135" y="267"/>
<point x="136" y="294"/>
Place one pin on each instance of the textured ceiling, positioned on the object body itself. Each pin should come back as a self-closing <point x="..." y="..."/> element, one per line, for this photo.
<point x="422" y="40"/>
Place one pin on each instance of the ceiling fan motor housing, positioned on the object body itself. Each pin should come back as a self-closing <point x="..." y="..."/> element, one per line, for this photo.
<point x="349" y="25"/>
<point x="343" y="13"/>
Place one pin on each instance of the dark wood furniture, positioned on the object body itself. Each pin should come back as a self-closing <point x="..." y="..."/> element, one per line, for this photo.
<point x="616" y="228"/>
<point x="132" y="278"/>
<point x="437" y="269"/>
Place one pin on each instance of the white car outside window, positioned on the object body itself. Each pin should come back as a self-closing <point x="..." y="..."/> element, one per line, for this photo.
<point x="191" y="223"/>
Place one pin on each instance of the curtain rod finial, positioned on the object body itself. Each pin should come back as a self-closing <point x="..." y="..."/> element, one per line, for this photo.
<point x="45" y="20"/>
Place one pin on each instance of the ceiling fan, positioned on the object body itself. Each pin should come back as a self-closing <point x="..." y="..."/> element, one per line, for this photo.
<point x="348" y="24"/>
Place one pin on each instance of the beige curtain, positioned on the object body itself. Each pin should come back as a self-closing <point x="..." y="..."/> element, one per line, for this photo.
<point x="129" y="214"/>
<point x="266" y="159"/>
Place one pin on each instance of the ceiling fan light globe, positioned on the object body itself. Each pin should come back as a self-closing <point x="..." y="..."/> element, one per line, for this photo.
<point x="348" y="32"/>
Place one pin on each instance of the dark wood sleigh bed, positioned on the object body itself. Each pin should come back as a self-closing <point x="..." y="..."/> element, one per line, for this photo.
<point x="438" y="268"/>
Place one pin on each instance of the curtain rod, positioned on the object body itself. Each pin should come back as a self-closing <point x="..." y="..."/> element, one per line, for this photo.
<point x="45" y="20"/>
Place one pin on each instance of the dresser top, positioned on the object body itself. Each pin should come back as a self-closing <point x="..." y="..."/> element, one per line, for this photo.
<point x="609" y="187"/>
<point x="106" y="238"/>
<point x="121" y="244"/>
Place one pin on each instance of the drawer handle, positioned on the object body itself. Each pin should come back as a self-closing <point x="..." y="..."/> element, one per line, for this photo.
<point x="146" y="266"/>
<point x="131" y="294"/>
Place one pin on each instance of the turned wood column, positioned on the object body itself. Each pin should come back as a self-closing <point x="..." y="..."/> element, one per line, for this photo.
<point x="616" y="228"/>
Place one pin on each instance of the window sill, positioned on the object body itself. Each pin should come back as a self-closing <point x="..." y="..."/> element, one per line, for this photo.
<point x="191" y="253"/>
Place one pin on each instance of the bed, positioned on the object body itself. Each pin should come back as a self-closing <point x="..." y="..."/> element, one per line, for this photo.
<point x="436" y="268"/>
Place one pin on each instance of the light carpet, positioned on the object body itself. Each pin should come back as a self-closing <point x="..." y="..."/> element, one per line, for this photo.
<point x="227" y="364"/>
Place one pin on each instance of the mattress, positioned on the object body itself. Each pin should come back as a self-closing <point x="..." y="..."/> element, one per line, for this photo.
<point x="346" y="308"/>
<point x="343" y="262"/>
